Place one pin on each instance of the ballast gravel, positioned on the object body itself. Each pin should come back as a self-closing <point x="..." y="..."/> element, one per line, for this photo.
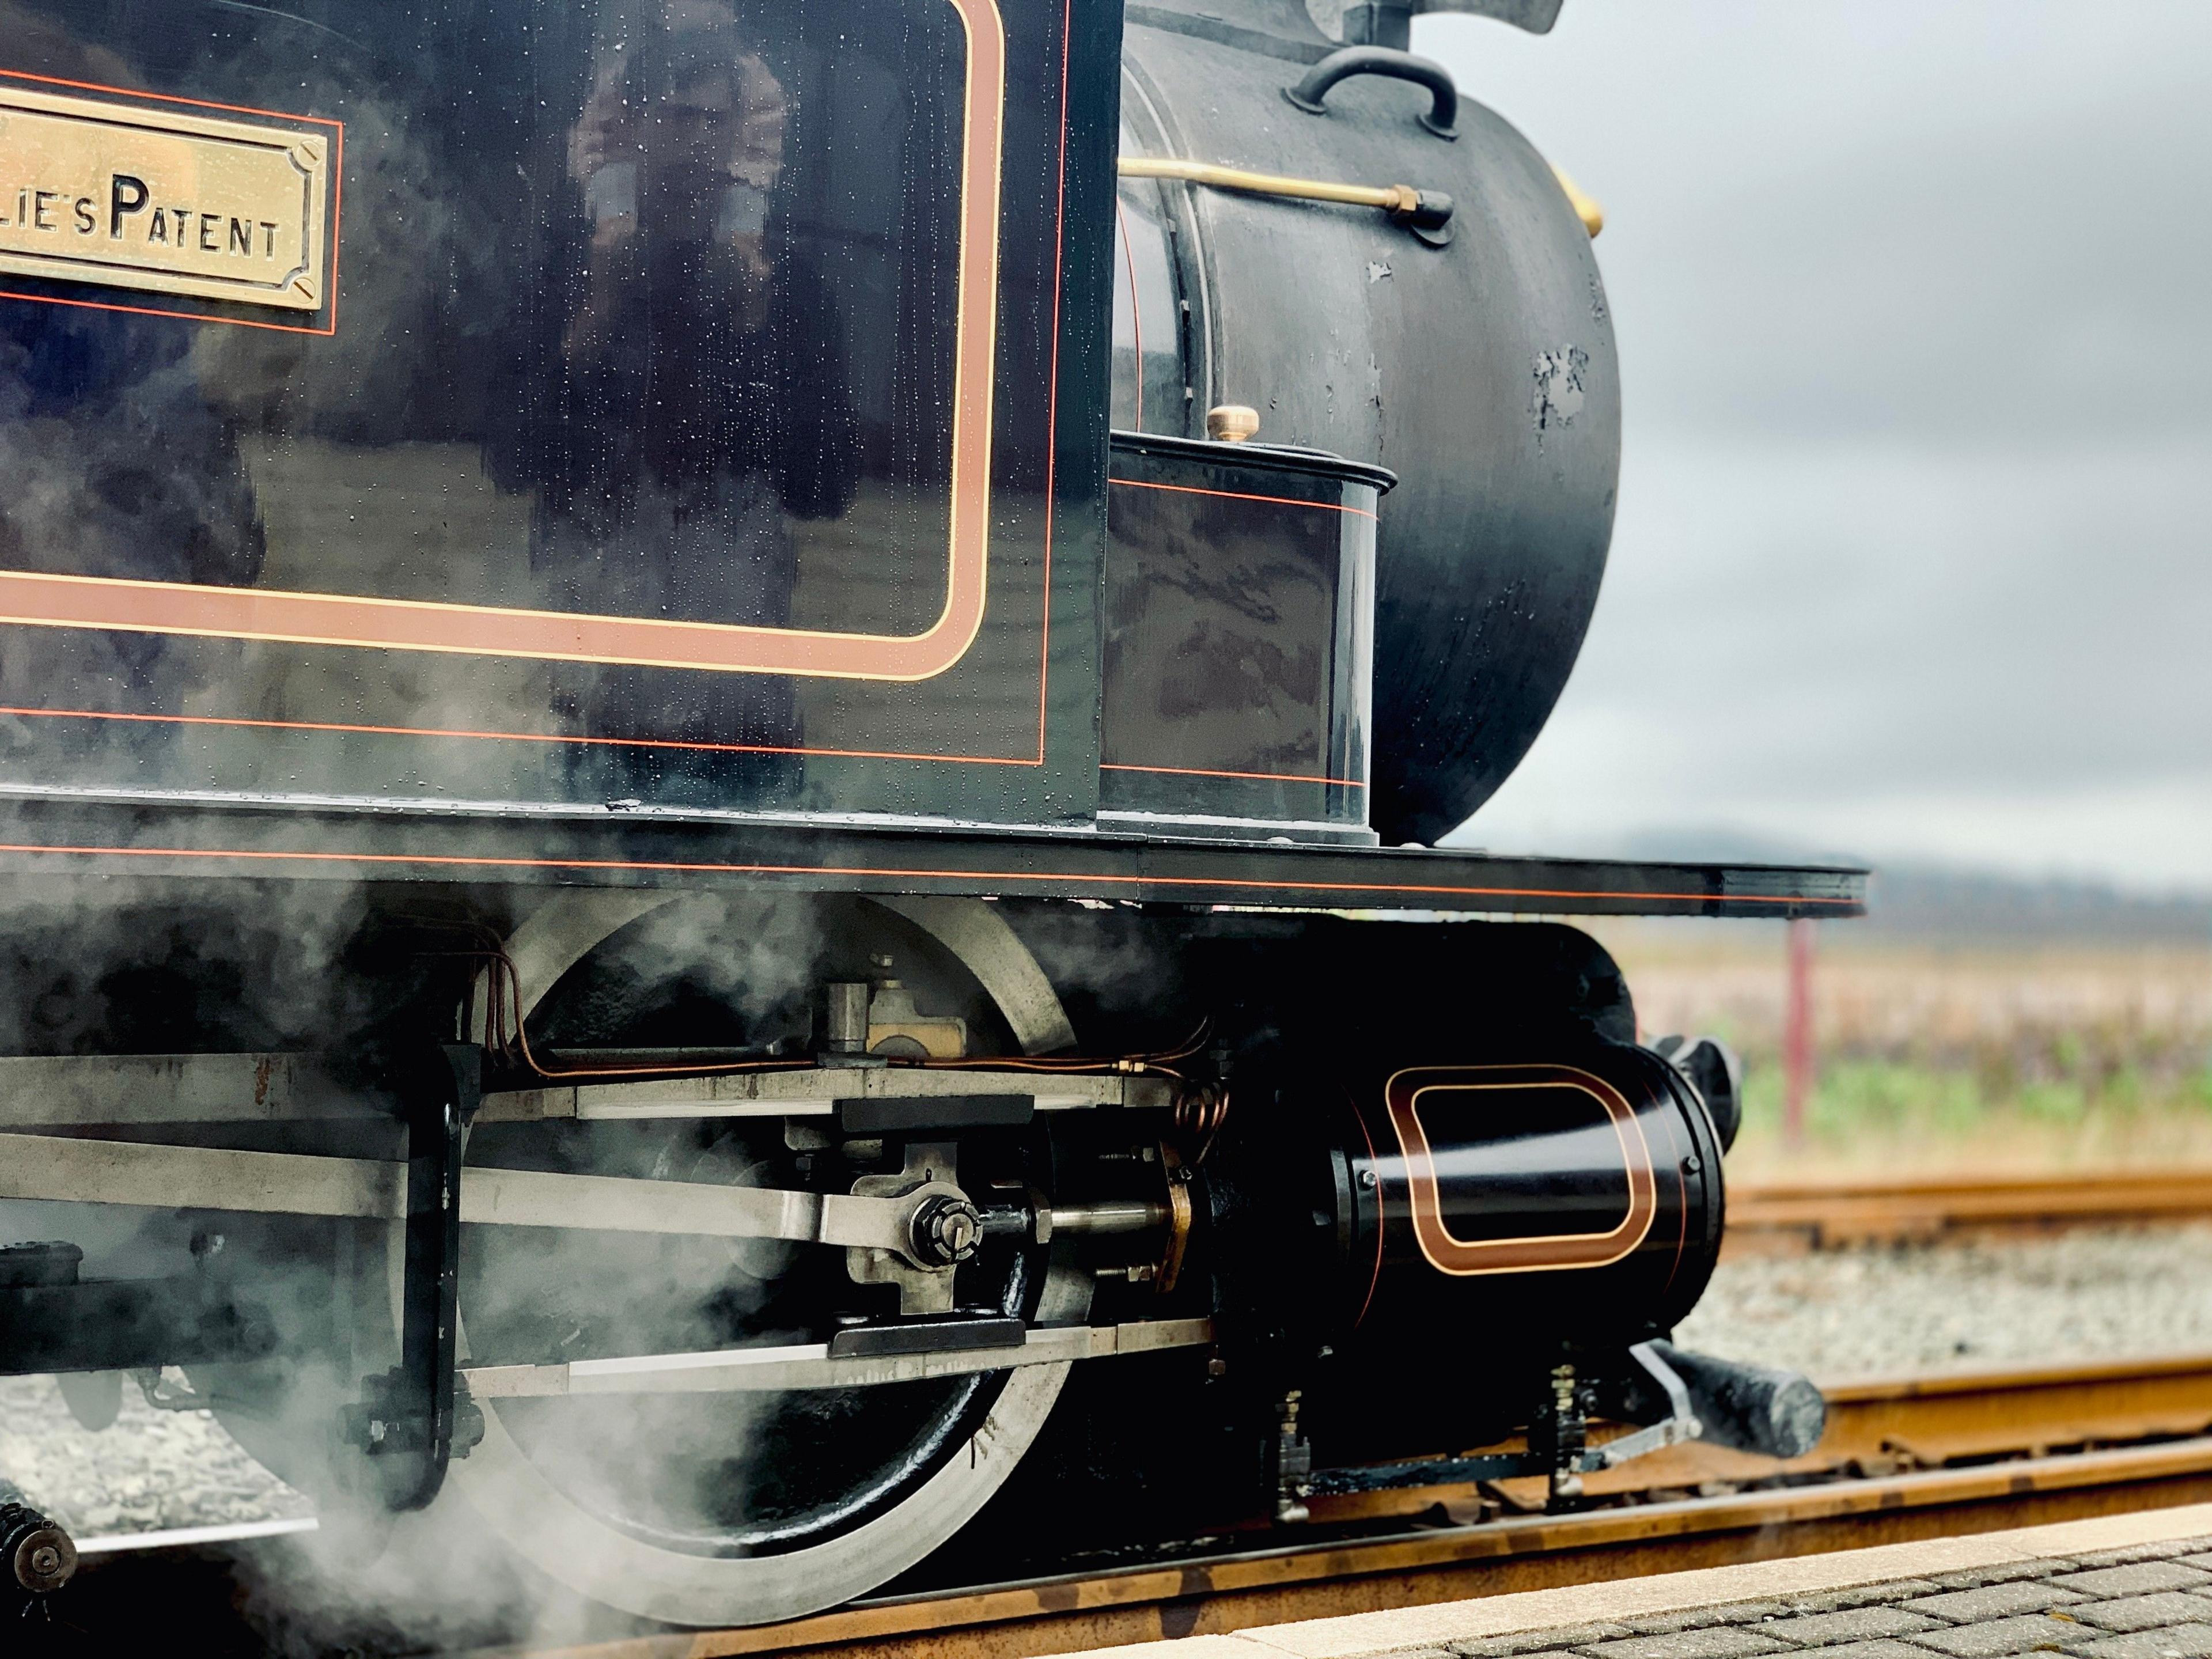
<point x="149" y="1470"/>
<point x="1882" y="1310"/>
<point x="1837" y="1315"/>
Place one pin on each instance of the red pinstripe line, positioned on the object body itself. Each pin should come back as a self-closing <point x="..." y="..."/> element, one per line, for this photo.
<point x="166" y="97"/>
<point x="1052" y="391"/>
<point x="509" y="736"/>
<point x="1203" y="772"/>
<point x="1241" y="495"/>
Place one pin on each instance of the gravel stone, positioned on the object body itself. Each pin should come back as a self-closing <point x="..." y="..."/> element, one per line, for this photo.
<point x="1536" y="1641"/>
<point x="1720" y="1642"/>
<point x="2140" y="1578"/>
<point x="1992" y="1602"/>
<point x="2003" y="1636"/>
<point x="1851" y="1624"/>
<point x="147" y="1471"/>
<point x="2097" y="1293"/>
<point x="2143" y="1611"/>
<point x="2174" y="1641"/>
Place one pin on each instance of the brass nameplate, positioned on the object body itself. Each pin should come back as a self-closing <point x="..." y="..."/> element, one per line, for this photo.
<point x="160" y="200"/>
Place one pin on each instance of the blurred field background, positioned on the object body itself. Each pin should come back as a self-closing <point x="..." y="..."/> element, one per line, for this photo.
<point x="1968" y="1026"/>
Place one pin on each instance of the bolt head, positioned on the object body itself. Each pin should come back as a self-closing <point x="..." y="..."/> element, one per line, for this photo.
<point x="947" y="1231"/>
<point x="44" y="1561"/>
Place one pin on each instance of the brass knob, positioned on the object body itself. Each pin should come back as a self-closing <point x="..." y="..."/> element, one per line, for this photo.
<point x="1231" y="424"/>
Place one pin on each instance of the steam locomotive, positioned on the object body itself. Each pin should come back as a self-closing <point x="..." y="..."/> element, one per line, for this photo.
<point x="718" y="724"/>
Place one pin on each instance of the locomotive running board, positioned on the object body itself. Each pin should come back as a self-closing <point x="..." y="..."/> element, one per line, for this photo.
<point x="145" y="834"/>
<point x="810" y="1366"/>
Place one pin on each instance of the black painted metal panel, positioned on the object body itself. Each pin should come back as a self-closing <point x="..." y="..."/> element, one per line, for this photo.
<point x="737" y="368"/>
<point x="1239" y="638"/>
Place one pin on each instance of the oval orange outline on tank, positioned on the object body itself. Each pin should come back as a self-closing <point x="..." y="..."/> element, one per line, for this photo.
<point x="43" y="599"/>
<point x="1542" y="1253"/>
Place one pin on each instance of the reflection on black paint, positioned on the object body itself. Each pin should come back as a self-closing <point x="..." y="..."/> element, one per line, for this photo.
<point x="1524" y="1162"/>
<point x="631" y="293"/>
<point x="1238" y="630"/>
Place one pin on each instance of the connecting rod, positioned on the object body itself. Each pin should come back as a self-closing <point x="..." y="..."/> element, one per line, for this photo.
<point x="72" y="1170"/>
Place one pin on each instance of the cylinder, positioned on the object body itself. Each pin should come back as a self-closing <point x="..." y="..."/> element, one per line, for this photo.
<point x="845" y="1016"/>
<point x="1574" y="1200"/>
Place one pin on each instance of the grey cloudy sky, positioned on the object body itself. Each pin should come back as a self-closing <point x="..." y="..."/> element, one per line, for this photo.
<point x="1914" y="557"/>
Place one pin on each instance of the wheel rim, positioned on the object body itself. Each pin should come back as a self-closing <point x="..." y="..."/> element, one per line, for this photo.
<point x="614" y="1559"/>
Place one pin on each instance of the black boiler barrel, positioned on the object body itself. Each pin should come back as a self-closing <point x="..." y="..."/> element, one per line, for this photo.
<point x="1482" y="371"/>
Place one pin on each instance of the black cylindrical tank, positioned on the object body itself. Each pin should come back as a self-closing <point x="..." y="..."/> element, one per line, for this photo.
<point x="1437" y="1232"/>
<point x="1574" y="1198"/>
<point x="1481" y="372"/>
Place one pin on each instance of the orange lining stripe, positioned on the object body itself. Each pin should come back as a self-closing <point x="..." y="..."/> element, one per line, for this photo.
<point x="509" y="736"/>
<point x="166" y="97"/>
<point x="1241" y="495"/>
<point x="1206" y="772"/>
<point x="42" y="599"/>
<point x="1051" y="459"/>
<point x="671" y="866"/>
<point x="187" y="316"/>
<point x="1052" y="384"/>
<point x="1446" y="1251"/>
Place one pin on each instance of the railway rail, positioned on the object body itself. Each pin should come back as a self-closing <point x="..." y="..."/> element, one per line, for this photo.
<point x="1780" y="1217"/>
<point x="1903" y="1459"/>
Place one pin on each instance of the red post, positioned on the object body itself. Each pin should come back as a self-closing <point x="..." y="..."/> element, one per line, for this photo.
<point x="1797" y="1034"/>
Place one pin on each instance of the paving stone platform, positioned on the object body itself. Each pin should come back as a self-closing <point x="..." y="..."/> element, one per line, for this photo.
<point x="2135" y="1586"/>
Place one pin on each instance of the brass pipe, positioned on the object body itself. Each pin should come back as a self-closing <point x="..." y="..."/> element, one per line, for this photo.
<point x="1591" y="215"/>
<point x="1427" y="213"/>
<point x="1401" y="202"/>
<point x="1390" y="197"/>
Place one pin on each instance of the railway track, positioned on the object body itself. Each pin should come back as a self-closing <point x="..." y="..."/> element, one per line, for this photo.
<point x="1776" y="1217"/>
<point x="1903" y="1459"/>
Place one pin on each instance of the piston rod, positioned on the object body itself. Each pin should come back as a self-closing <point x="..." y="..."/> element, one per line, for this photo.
<point x="1112" y="1216"/>
<point x="811" y="1365"/>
